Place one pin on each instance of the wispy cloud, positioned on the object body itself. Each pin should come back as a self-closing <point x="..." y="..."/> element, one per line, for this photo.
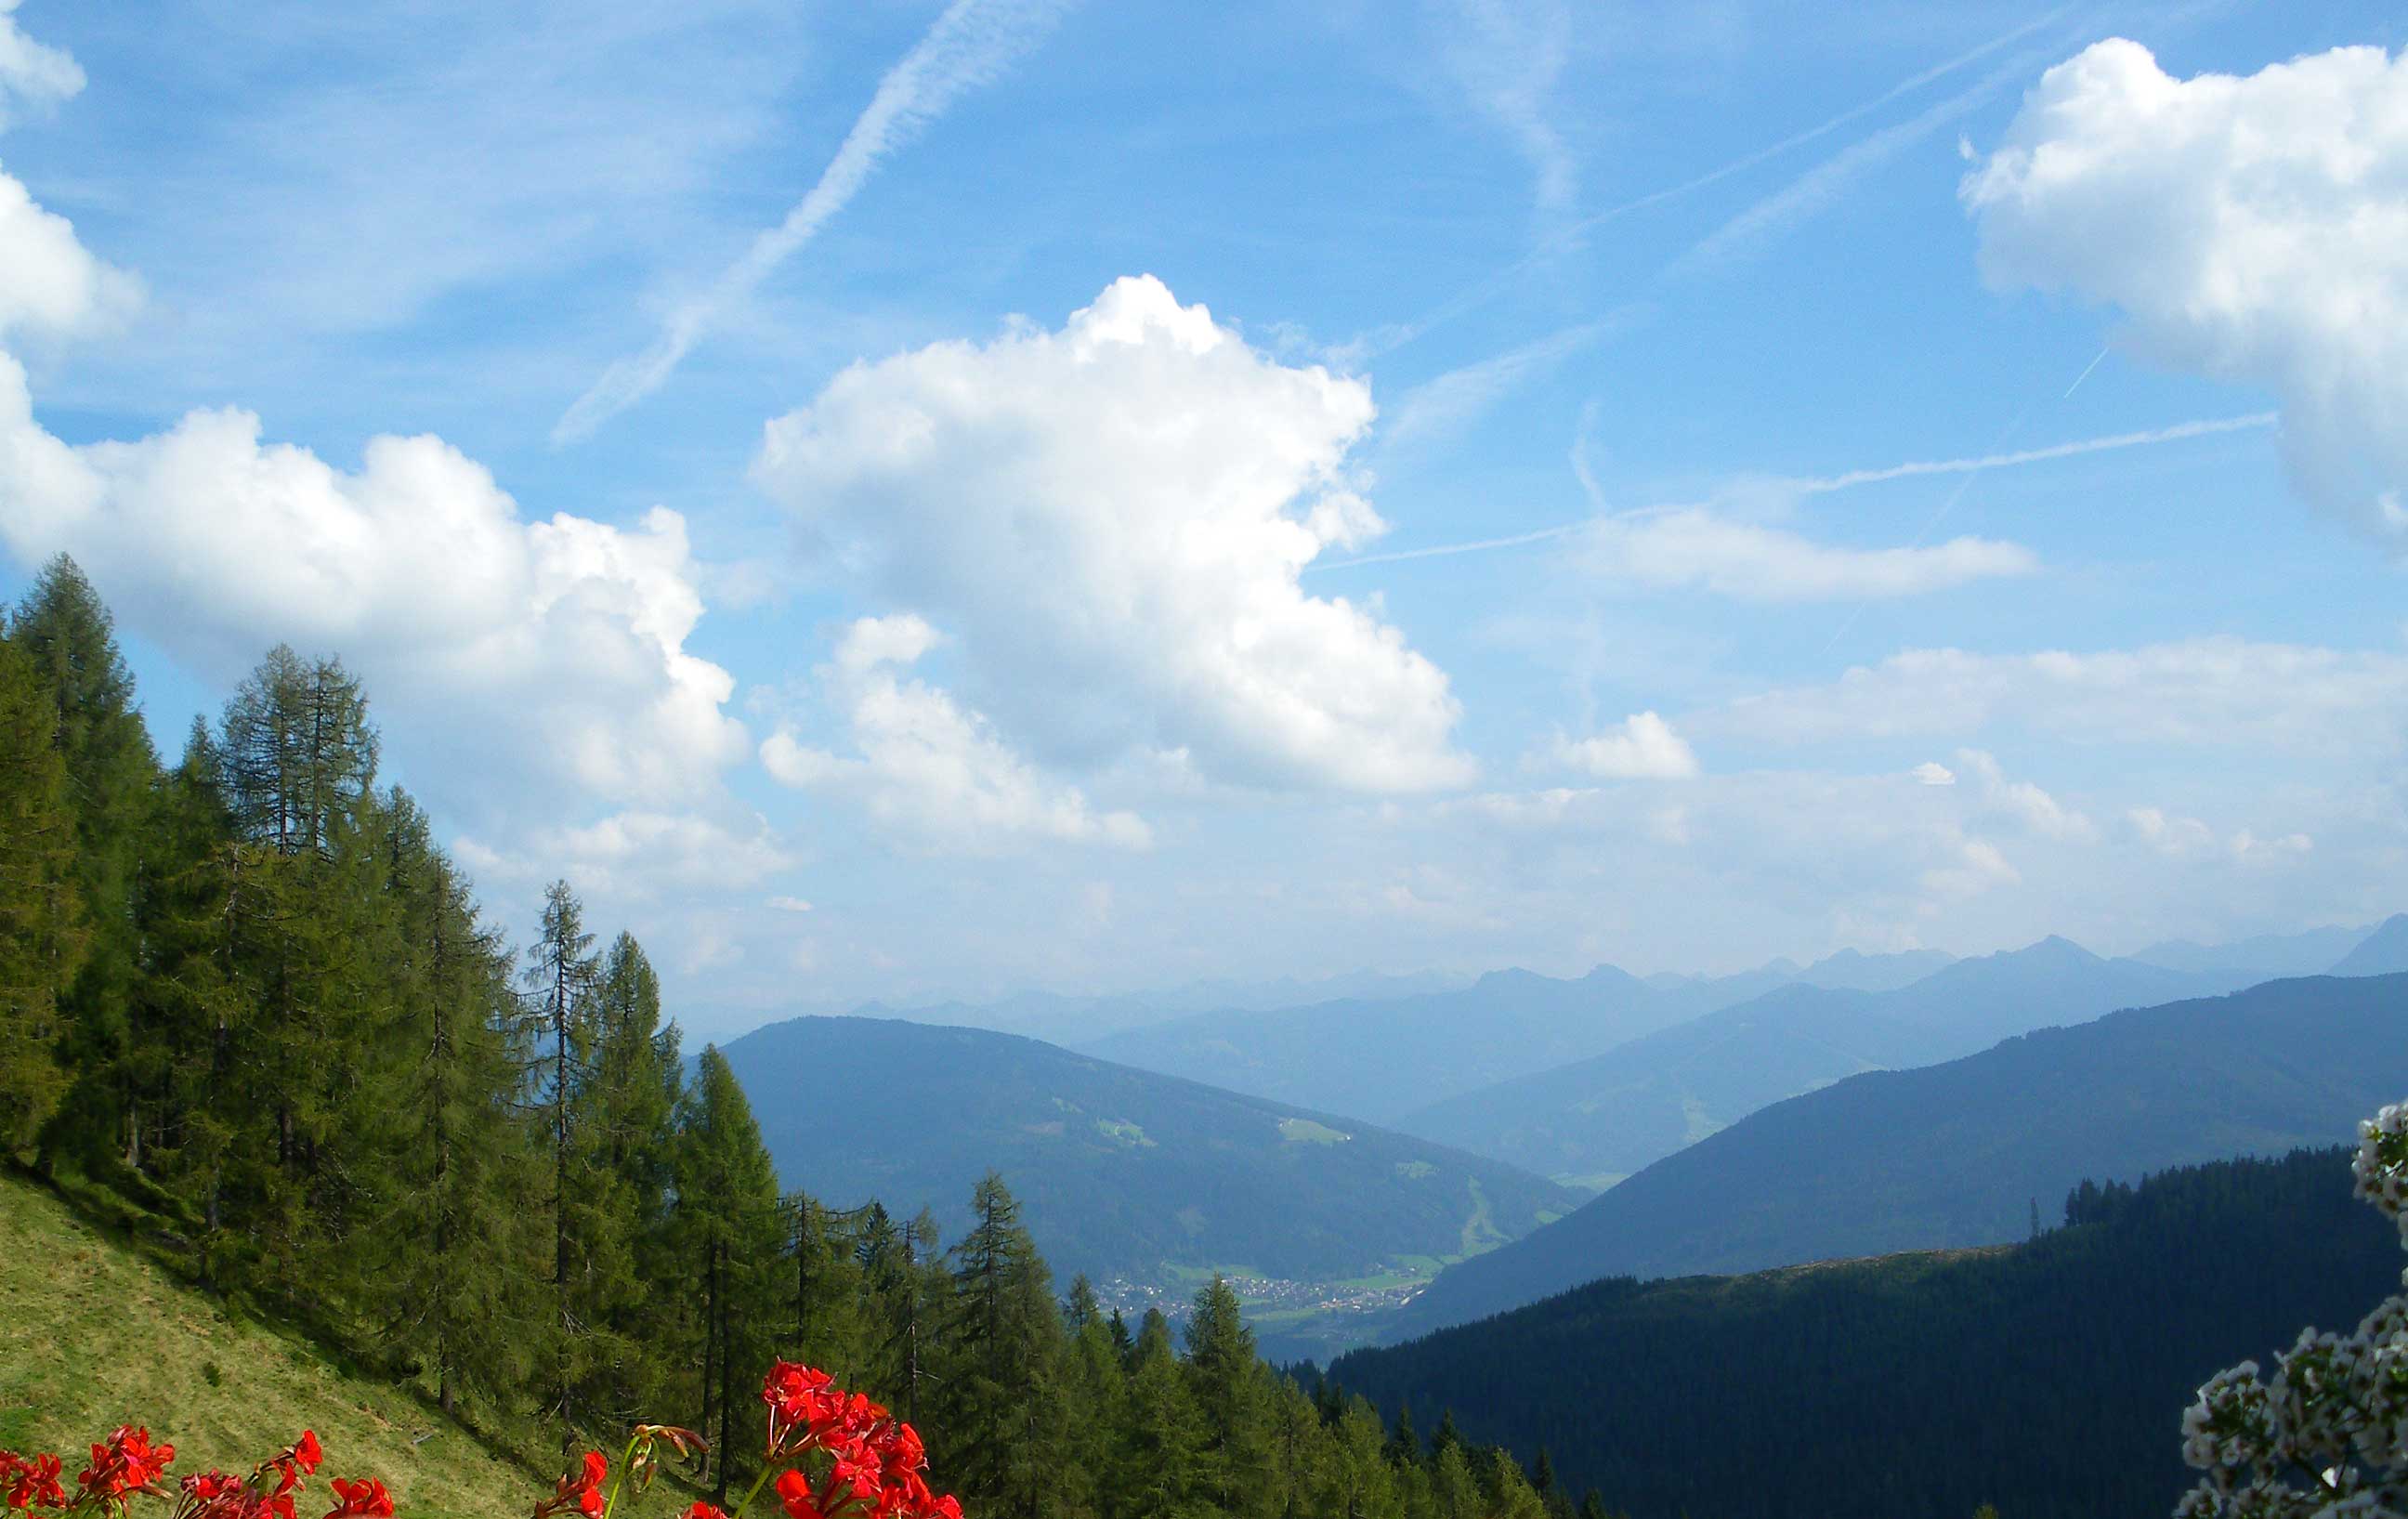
<point x="1509" y="62"/>
<point x="1819" y="186"/>
<point x="1447" y="403"/>
<point x="1848" y="480"/>
<point x="972" y="44"/>
<point x="33" y="78"/>
<point x="1395" y="337"/>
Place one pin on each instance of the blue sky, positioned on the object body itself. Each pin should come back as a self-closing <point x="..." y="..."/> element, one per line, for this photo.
<point x="965" y="609"/>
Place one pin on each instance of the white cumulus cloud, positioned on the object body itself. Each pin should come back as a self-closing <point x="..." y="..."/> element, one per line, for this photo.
<point x="2023" y="801"/>
<point x="560" y="642"/>
<point x="1112" y="518"/>
<point x="1641" y="747"/>
<point x="927" y="769"/>
<point x="1697" y="548"/>
<point x="33" y="78"/>
<point x="2251" y="229"/>
<point x="52" y="284"/>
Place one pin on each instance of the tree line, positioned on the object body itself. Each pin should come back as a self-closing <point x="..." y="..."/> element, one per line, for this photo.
<point x="246" y="999"/>
<point x="2047" y="1376"/>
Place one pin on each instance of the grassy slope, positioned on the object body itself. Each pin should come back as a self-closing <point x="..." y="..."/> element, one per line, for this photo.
<point x="93" y="1336"/>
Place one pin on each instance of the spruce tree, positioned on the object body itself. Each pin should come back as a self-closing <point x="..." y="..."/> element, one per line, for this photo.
<point x="68" y="635"/>
<point x="1357" y="1481"/>
<point x="42" y="935"/>
<point x="297" y="762"/>
<point x="1082" y="1308"/>
<point x="1157" y="1474"/>
<point x="1002" y="1408"/>
<point x="625" y="1121"/>
<point x="454" y="1259"/>
<point x="559" y="978"/>
<point x="1231" y="1389"/>
<point x="728" y="1224"/>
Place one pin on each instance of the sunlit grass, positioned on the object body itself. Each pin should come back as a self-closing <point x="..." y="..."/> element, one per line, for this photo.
<point x="91" y="1336"/>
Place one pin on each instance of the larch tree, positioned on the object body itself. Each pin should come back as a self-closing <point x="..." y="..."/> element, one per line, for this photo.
<point x="559" y="978"/>
<point x="66" y="635"/>
<point x="42" y="937"/>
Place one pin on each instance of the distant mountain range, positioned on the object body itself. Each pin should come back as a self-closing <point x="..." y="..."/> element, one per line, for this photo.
<point x="2382" y="952"/>
<point x="1959" y="1154"/>
<point x="1386" y="1058"/>
<point x="2269" y="956"/>
<point x="1120" y="1173"/>
<point x="2047" y="1376"/>
<point x="1592" y="1122"/>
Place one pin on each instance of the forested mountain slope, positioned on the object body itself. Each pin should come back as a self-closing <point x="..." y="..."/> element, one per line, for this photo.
<point x="1614" y="1114"/>
<point x="2047" y="1377"/>
<point x="1955" y="1155"/>
<point x="1380" y="1058"/>
<point x="1122" y="1173"/>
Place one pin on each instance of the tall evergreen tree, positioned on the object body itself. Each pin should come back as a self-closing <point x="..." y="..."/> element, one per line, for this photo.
<point x="42" y="937"/>
<point x="66" y="633"/>
<point x="625" y="1123"/>
<point x="728" y="1224"/>
<point x="297" y="762"/>
<point x="1002" y="1407"/>
<point x="560" y="977"/>
<point x="453" y="1256"/>
<point x="1157" y="1476"/>
<point x="1232" y="1391"/>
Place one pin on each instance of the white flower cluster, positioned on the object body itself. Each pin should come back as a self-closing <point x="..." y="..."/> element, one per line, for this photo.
<point x="2326" y="1437"/>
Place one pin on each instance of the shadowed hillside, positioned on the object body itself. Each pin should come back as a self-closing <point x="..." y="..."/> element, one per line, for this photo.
<point x="2047" y="1377"/>
<point x="1957" y="1154"/>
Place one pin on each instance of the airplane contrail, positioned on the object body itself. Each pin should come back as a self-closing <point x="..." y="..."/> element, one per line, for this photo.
<point x="973" y="43"/>
<point x="1825" y="485"/>
<point x="1487" y="289"/>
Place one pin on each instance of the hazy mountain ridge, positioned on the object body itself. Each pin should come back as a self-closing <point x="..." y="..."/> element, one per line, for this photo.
<point x="1958" y="1153"/>
<point x="1384" y="1058"/>
<point x="1615" y="1113"/>
<point x="2382" y="953"/>
<point x="1121" y="1172"/>
<point x="2309" y="952"/>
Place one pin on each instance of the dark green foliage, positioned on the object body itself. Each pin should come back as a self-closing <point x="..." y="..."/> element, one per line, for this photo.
<point x="1118" y="1172"/>
<point x="1953" y="1154"/>
<point x="730" y="1235"/>
<point x="42" y="936"/>
<point x="1001" y="1404"/>
<point x="454" y="1259"/>
<point x="66" y="639"/>
<point x="2046" y="1377"/>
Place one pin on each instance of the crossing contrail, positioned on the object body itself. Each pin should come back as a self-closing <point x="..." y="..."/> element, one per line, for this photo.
<point x="972" y="44"/>
<point x="1825" y="485"/>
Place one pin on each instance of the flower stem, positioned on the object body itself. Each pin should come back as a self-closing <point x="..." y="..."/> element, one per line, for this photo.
<point x="749" y="1494"/>
<point x="626" y="1459"/>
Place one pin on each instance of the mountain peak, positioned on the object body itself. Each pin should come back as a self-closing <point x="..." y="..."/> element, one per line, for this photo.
<point x="2379" y="954"/>
<point x="2055" y="950"/>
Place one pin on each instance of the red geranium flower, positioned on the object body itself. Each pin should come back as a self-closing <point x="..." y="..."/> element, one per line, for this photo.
<point x="32" y="1482"/>
<point x="705" y="1511"/>
<point x="365" y="1496"/>
<point x="127" y="1462"/>
<point x="795" y="1491"/>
